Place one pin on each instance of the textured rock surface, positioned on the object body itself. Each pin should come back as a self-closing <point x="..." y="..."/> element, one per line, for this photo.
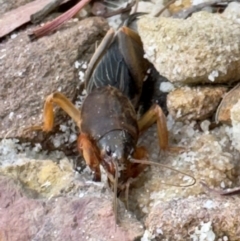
<point x="152" y="8"/>
<point x="235" y="121"/>
<point x="50" y="201"/>
<point x="178" y="219"/>
<point x="196" y="103"/>
<point x="7" y="5"/>
<point x="45" y="177"/>
<point x="24" y="218"/>
<point x="223" y="114"/>
<point x="202" y="48"/>
<point x="209" y="157"/>
<point x="32" y="70"/>
<point x="232" y="11"/>
<point x="179" y="5"/>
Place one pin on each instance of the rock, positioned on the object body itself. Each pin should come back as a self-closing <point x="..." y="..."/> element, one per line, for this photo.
<point x="235" y="121"/>
<point x="152" y="8"/>
<point x="50" y="201"/>
<point x="158" y="7"/>
<point x="45" y="177"/>
<point x="209" y="157"/>
<point x="24" y="218"/>
<point x="196" y="103"/>
<point x="235" y="113"/>
<point x="179" y="5"/>
<point x="194" y="50"/>
<point x="223" y="114"/>
<point x="143" y="7"/>
<point x="44" y="198"/>
<point x="7" y="5"/>
<point x="32" y="70"/>
<point x="195" y="218"/>
<point x="232" y="11"/>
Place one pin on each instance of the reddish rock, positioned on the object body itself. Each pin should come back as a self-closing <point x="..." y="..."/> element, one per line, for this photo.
<point x="24" y="218"/>
<point x="182" y="219"/>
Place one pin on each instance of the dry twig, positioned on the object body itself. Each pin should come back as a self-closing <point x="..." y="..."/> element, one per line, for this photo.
<point x="40" y="15"/>
<point x="19" y="16"/>
<point x="57" y="22"/>
<point x="228" y="192"/>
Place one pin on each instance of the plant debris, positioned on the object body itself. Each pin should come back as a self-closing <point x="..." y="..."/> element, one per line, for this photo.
<point x="19" y="16"/>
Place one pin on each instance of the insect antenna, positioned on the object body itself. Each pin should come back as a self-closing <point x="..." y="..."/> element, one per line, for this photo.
<point x="127" y="186"/>
<point x="115" y="189"/>
<point x="146" y="162"/>
<point x="113" y="179"/>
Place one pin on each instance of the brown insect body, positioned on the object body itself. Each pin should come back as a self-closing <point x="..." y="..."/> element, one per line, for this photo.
<point x="114" y="85"/>
<point x="108" y="123"/>
<point x="109" y="129"/>
<point x="113" y="129"/>
<point x="114" y="82"/>
<point x="111" y="103"/>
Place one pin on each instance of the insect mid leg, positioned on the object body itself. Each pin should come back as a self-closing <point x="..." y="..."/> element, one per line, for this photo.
<point x="155" y="114"/>
<point x="48" y="114"/>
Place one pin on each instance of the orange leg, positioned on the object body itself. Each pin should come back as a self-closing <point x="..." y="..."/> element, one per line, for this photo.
<point x="48" y="114"/>
<point x="91" y="155"/>
<point x="155" y="114"/>
<point x="139" y="154"/>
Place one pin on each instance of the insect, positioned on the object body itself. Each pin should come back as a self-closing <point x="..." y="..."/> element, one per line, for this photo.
<point x="108" y="123"/>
